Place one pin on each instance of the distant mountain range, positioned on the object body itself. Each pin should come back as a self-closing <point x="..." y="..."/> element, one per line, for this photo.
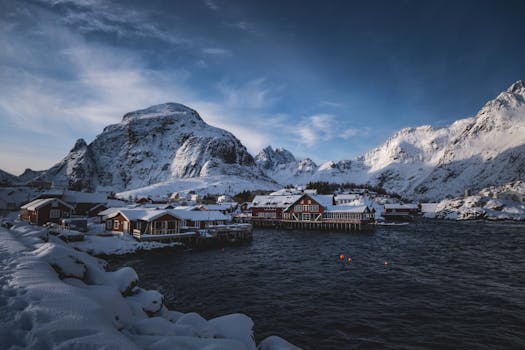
<point x="169" y="147"/>
<point x="427" y="162"/>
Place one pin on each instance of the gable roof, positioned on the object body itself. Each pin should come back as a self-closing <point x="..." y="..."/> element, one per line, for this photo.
<point x="323" y="200"/>
<point x="401" y="206"/>
<point x="275" y="201"/>
<point x="39" y="203"/>
<point x="348" y="209"/>
<point x="206" y="215"/>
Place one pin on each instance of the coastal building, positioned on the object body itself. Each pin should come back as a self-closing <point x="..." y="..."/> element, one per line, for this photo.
<point x="270" y="208"/>
<point x="401" y="211"/>
<point x="145" y="221"/>
<point x="191" y="227"/>
<point x="41" y="211"/>
<point x="346" y="198"/>
<point x="308" y="211"/>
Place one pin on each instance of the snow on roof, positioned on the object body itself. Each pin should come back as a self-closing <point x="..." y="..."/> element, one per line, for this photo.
<point x="39" y="203"/>
<point x="347" y="196"/>
<point x="286" y="192"/>
<point x="208" y="215"/>
<point x="401" y="206"/>
<point x="138" y="214"/>
<point x="84" y="197"/>
<point x="133" y="214"/>
<point x="323" y="199"/>
<point x="110" y="211"/>
<point x="222" y="206"/>
<point x="275" y="201"/>
<point x="347" y="208"/>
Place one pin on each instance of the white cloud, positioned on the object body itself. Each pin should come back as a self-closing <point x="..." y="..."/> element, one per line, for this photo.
<point x="254" y="94"/>
<point x="211" y="4"/>
<point x="110" y="17"/>
<point x="321" y="127"/>
<point x="216" y="51"/>
<point x="348" y="133"/>
<point x="91" y="86"/>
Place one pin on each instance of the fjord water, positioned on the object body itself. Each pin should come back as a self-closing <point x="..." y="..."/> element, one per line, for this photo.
<point x="446" y="285"/>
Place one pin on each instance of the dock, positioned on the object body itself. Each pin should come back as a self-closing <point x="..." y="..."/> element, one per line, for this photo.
<point x="213" y="235"/>
<point x="339" y="226"/>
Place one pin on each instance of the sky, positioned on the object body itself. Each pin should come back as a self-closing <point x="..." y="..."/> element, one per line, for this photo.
<point x="327" y="79"/>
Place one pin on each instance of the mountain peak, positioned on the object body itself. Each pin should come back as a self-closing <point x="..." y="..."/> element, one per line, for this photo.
<point x="79" y="144"/>
<point x="269" y="157"/>
<point x="169" y="109"/>
<point x="517" y="87"/>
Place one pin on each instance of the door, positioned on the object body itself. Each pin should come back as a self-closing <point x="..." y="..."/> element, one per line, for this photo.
<point x="125" y="227"/>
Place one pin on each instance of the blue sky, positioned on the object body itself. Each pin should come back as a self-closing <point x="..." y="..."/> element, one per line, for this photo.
<point x="324" y="79"/>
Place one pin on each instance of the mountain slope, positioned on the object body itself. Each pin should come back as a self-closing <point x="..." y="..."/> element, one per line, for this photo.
<point x="430" y="163"/>
<point x="154" y="145"/>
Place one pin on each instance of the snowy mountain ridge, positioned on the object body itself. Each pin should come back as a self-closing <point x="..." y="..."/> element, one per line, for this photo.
<point x="169" y="146"/>
<point x="430" y="163"/>
<point x="155" y="145"/>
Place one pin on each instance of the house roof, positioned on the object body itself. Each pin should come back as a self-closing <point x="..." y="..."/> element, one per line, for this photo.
<point x="275" y="201"/>
<point x="347" y="209"/>
<point x="350" y="196"/>
<point x="39" y="203"/>
<point x="207" y="215"/>
<point x="221" y="206"/>
<point x="109" y="211"/>
<point x="323" y="199"/>
<point x="134" y="214"/>
<point x="401" y="206"/>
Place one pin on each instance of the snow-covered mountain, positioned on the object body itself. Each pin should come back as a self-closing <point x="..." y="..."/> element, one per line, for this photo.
<point x="169" y="146"/>
<point x="6" y="178"/>
<point x="159" y="144"/>
<point x="281" y="165"/>
<point x="28" y="175"/>
<point x="430" y="163"/>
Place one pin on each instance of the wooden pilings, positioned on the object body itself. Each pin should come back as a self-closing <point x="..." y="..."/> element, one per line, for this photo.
<point x="313" y="225"/>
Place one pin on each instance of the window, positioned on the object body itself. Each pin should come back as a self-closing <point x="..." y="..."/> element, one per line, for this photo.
<point x="115" y="224"/>
<point x="65" y="214"/>
<point x="313" y="208"/>
<point x="108" y="225"/>
<point x="54" y="213"/>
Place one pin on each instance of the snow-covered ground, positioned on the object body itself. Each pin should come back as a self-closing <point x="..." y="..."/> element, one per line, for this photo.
<point x="53" y="296"/>
<point x="214" y="184"/>
<point x="486" y="204"/>
<point x="116" y="244"/>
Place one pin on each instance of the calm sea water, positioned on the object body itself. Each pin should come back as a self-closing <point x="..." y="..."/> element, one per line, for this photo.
<point x="446" y="285"/>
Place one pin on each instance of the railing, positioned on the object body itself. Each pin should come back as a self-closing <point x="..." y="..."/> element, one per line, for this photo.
<point x="160" y="231"/>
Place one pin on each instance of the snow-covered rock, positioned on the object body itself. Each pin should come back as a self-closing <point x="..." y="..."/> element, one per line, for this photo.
<point x="483" y="205"/>
<point x="276" y="343"/>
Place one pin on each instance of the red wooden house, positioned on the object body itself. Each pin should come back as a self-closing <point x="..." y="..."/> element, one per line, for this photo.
<point x="45" y="210"/>
<point x="308" y="208"/>
<point x="270" y="208"/>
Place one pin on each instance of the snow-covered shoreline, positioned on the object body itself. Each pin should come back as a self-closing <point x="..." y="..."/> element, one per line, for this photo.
<point x="53" y="296"/>
<point x="495" y="203"/>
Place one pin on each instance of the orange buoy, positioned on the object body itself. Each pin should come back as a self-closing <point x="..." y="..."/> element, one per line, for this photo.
<point x="349" y="259"/>
<point x="342" y="257"/>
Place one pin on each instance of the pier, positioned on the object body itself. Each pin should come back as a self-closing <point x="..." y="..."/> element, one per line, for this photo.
<point x="340" y="226"/>
<point x="218" y="234"/>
